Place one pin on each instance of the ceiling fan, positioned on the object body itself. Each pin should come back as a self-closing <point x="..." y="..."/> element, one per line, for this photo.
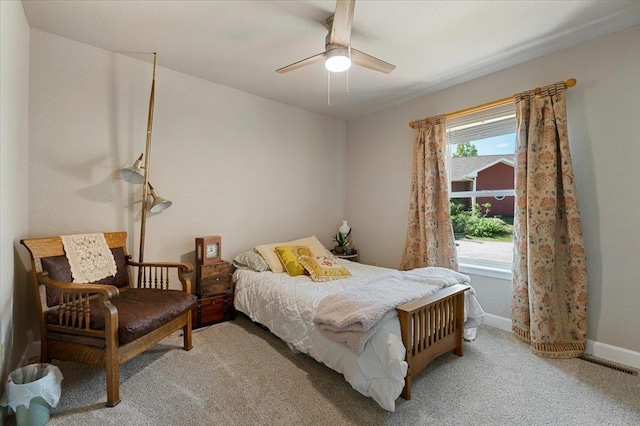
<point x="339" y="54"/>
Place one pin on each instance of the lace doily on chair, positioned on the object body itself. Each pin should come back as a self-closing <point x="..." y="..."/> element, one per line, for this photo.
<point x="89" y="257"/>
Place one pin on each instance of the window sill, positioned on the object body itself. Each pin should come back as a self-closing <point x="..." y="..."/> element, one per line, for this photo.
<point x="486" y="268"/>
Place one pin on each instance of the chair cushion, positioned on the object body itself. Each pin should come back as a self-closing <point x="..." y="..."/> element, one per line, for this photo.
<point x="140" y="311"/>
<point x="59" y="270"/>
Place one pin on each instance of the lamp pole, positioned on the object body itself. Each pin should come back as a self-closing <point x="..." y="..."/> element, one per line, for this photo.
<point x="145" y="187"/>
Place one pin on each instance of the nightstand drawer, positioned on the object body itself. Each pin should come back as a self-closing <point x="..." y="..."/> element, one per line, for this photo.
<point x="222" y="268"/>
<point x="210" y="286"/>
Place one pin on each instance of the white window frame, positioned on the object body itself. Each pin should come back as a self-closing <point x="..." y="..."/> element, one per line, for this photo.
<point x="483" y="267"/>
<point x="486" y="268"/>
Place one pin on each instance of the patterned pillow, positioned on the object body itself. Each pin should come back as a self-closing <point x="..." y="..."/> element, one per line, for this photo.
<point x="289" y="257"/>
<point x="323" y="268"/>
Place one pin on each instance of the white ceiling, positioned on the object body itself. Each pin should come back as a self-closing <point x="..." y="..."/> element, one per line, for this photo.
<point x="240" y="44"/>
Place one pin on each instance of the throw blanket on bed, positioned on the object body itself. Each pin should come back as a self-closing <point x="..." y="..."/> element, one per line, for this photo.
<point x="89" y="257"/>
<point x="351" y="317"/>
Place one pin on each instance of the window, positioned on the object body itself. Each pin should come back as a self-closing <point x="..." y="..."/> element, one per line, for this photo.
<point x="481" y="178"/>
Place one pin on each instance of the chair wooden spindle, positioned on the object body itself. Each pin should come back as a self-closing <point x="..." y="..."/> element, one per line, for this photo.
<point x="65" y="307"/>
<point x="144" y="277"/>
<point x="72" y="310"/>
<point x="60" y="311"/>
<point x="77" y="309"/>
<point x="86" y="311"/>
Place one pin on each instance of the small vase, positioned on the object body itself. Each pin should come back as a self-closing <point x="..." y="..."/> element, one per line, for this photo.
<point x="344" y="228"/>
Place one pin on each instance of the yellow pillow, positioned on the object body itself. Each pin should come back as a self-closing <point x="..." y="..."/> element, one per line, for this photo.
<point x="289" y="257"/>
<point x="267" y="251"/>
<point x="323" y="268"/>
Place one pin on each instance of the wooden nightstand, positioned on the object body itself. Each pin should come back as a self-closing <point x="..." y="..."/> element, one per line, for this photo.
<point x="352" y="257"/>
<point x="214" y="288"/>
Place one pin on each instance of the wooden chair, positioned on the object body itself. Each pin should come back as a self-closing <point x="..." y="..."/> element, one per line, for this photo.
<point x="108" y="322"/>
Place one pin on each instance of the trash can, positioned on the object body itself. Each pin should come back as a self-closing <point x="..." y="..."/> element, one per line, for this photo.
<point x="31" y="392"/>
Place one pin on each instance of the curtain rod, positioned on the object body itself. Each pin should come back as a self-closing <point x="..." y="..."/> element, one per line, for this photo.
<point x="504" y="101"/>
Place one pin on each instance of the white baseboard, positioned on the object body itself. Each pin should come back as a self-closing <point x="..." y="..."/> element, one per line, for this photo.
<point x="601" y="350"/>
<point x="497" y="322"/>
<point x="613" y="353"/>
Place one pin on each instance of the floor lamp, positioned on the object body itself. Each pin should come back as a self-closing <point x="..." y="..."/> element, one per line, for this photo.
<point x="139" y="174"/>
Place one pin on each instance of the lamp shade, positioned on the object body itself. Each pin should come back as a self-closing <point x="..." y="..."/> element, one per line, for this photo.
<point x="159" y="204"/>
<point x="133" y="174"/>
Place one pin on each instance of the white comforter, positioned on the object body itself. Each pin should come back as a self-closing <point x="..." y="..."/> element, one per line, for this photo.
<point x="287" y="305"/>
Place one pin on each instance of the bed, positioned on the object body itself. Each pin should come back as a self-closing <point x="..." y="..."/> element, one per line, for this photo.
<point x="400" y="348"/>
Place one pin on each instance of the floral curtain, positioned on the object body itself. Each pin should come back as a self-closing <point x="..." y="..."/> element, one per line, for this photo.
<point x="549" y="308"/>
<point x="430" y="239"/>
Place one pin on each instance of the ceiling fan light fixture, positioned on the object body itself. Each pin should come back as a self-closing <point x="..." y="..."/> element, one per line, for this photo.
<point x="338" y="54"/>
<point x="338" y="60"/>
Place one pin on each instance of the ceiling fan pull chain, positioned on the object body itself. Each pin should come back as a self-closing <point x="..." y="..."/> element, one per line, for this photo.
<point x="328" y="87"/>
<point x="347" y="83"/>
<point x="348" y="71"/>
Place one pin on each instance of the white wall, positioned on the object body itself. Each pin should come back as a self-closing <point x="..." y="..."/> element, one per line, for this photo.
<point x="14" y="113"/>
<point x="603" y="111"/>
<point x="240" y="166"/>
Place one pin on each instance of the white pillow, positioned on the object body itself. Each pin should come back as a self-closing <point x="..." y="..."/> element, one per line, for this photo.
<point x="268" y="252"/>
<point x="250" y="260"/>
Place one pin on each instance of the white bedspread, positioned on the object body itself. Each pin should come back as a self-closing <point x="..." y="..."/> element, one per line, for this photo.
<point x="352" y="316"/>
<point x="287" y="305"/>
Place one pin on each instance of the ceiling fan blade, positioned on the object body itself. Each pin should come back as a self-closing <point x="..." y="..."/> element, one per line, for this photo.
<point x="308" y="61"/>
<point x="342" y="20"/>
<point x="370" y="62"/>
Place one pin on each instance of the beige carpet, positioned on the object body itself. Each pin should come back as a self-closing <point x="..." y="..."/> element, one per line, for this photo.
<point x="240" y="374"/>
